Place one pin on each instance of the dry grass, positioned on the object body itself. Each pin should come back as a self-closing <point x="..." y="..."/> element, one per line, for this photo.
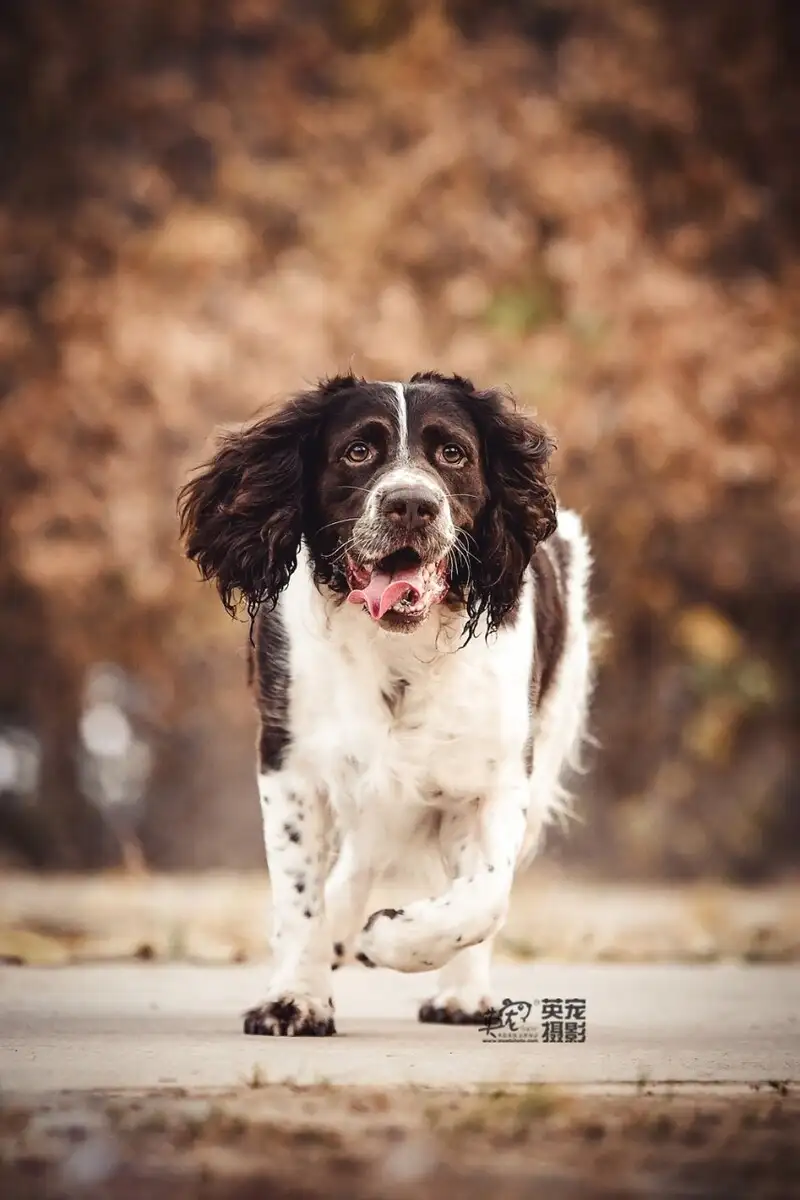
<point x="315" y="1142"/>
<point x="220" y="919"/>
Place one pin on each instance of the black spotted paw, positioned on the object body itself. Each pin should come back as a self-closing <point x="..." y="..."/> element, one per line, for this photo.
<point x="291" y="1016"/>
<point x="449" y="1011"/>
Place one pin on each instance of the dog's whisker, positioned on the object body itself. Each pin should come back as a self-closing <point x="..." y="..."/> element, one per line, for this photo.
<point x="344" y="521"/>
<point x="340" y="551"/>
<point x="462" y="541"/>
<point x="459" y="559"/>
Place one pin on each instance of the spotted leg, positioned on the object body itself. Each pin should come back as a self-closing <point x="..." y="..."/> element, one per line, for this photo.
<point x="463" y="996"/>
<point x="428" y="933"/>
<point x="346" y="896"/>
<point x="298" y="1001"/>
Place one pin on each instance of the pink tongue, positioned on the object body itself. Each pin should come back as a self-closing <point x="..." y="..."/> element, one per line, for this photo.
<point x="384" y="590"/>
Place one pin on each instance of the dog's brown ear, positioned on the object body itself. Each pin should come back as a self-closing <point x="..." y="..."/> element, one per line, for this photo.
<point x="242" y="514"/>
<point x="521" y="511"/>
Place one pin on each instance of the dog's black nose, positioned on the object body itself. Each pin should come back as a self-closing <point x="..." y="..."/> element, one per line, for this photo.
<point x="410" y="507"/>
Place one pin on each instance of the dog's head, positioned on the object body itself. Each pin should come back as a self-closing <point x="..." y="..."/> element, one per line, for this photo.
<point x="406" y="495"/>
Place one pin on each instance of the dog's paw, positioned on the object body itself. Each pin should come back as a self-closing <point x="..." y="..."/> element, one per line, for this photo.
<point x="387" y="941"/>
<point x="449" y="1008"/>
<point x="291" y="1016"/>
<point x="394" y="938"/>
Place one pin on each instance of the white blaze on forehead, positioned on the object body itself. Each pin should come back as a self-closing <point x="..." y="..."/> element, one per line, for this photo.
<point x="407" y="475"/>
<point x="400" y="472"/>
<point x="402" y="417"/>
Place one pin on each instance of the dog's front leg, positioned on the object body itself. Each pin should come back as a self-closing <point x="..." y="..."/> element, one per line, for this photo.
<point x="463" y="995"/>
<point x="298" y="1002"/>
<point x="483" y="845"/>
<point x="346" y="896"/>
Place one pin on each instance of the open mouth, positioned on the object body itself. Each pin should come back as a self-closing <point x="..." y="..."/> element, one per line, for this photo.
<point x="399" y="583"/>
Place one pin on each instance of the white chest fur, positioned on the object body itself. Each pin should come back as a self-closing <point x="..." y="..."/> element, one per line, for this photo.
<point x="390" y="724"/>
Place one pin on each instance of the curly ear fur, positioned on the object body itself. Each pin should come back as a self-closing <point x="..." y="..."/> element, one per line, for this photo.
<point x="520" y="513"/>
<point x="242" y="516"/>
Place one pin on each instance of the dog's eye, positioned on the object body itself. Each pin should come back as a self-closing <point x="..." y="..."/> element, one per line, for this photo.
<point x="451" y="455"/>
<point x="357" y="452"/>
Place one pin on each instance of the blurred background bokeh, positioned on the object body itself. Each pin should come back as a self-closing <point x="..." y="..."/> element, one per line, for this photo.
<point x="206" y="204"/>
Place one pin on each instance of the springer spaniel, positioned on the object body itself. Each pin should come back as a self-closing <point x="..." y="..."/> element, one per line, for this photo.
<point x="420" y="657"/>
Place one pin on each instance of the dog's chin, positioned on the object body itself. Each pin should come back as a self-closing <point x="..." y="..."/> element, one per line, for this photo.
<point x="397" y="621"/>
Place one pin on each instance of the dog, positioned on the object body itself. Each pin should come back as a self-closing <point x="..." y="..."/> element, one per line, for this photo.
<point x="421" y="665"/>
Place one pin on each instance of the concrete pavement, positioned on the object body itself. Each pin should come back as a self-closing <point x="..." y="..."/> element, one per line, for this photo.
<point x="147" y="1026"/>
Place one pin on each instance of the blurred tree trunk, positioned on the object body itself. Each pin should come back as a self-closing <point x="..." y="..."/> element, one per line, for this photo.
<point x="39" y="693"/>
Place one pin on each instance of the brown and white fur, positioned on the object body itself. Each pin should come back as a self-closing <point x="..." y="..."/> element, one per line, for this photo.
<point x="435" y="734"/>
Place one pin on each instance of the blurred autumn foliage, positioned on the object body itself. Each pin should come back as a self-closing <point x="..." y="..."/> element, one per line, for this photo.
<point x="205" y="204"/>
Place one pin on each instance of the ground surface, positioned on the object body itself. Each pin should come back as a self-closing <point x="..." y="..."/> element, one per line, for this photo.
<point x="133" y="1080"/>
<point x="147" y="1025"/>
